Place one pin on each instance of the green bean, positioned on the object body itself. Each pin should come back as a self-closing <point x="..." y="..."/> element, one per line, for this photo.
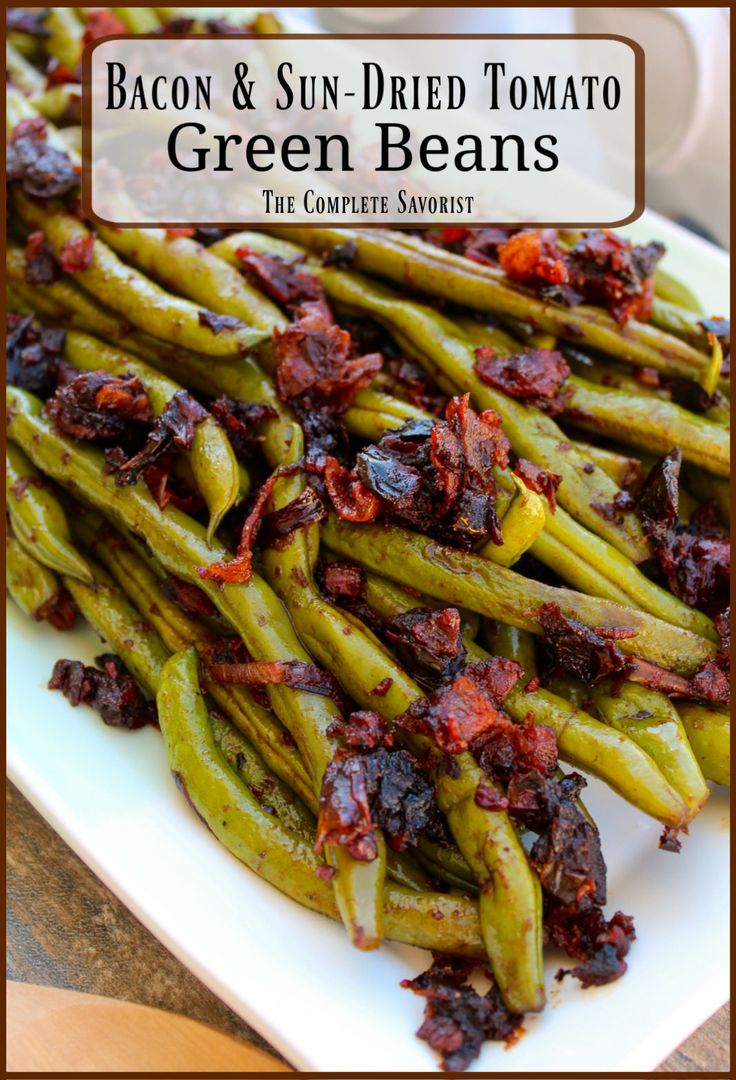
<point x="650" y="719"/>
<point x="680" y="322"/>
<point x="709" y="732"/>
<point x="213" y="463"/>
<point x="432" y="920"/>
<point x="58" y="102"/>
<point x="470" y="581"/>
<point x="191" y="270"/>
<point x="37" y="518"/>
<point x="31" y="584"/>
<point x="179" y="543"/>
<point x="65" y="40"/>
<point x="130" y="293"/>
<point x="139" y="20"/>
<point x="710" y="487"/>
<point x="647" y="423"/>
<point x="28" y="45"/>
<point x="510" y="897"/>
<point x="623" y="470"/>
<point x="23" y="74"/>
<point x="667" y="287"/>
<point x="411" y="262"/>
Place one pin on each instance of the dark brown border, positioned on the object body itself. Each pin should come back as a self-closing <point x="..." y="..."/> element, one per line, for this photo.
<point x="639" y="131"/>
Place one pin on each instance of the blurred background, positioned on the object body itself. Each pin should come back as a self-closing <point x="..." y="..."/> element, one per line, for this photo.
<point x="687" y="87"/>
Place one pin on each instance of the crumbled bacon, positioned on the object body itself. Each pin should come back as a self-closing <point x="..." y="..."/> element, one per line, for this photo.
<point x="344" y="811"/>
<point x="351" y="498"/>
<point x="417" y="386"/>
<point x="461" y="710"/>
<point x="102" y="22"/>
<point x="76" y="254"/>
<point x="428" y="643"/>
<point x="33" y="354"/>
<point x="506" y="749"/>
<point x="188" y="597"/>
<point x="58" y="74"/>
<point x="296" y="674"/>
<point x="283" y="280"/>
<point x="306" y="509"/>
<point x="58" y="611"/>
<point x="164" y="487"/>
<point x="534" y="258"/>
<point x="108" y="688"/>
<point x="540" y="480"/>
<point x="536" y="377"/>
<point x="344" y="579"/>
<point x="241" y="419"/>
<point x="96" y="405"/>
<point x="41" y="170"/>
<point x="658" y="501"/>
<point x="313" y="363"/>
<point x="612" y="272"/>
<point x="217" y="323"/>
<point x="240" y="569"/>
<point x="363" y="730"/>
<point x="457" y="1019"/>
<point x="173" y="429"/>
<point x="581" y="651"/>
<point x="586" y="935"/>
<point x="40" y="268"/>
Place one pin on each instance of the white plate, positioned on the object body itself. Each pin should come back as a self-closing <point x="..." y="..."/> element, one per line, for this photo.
<point x="290" y="973"/>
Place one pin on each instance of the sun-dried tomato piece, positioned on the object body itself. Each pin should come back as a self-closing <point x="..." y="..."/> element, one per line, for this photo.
<point x="536" y="377"/>
<point x="58" y="74"/>
<point x="586" y="935"/>
<point x="534" y="257"/>
<point x="102" y="22"/>
<point x="577" y="648"/>
<point x="344" y="579"/>
<point x="76" y="254"/>
<point x="363" y="730"/>
<point x="612" y="272"/>
<point x="658" y="502"/>
<point x="540" y="480"/>
<point x="697" y="567"/>
<point x="108" y="688"/>
<point x="173" y="429"/>
<point x="352" y="500"/>
<point x="306" y="509"/>
<point x="33" y="354"/>
<point x="457" y="1019"/>
<point x="507" y="748"/>
<point x="344" y="813"/>
<point x="240" y="569"/>
<point x="241" y="419"/>
<point x="217" y="323"/>
<point x="58" y="611"/>
<point x="283" y="280"/>
<point x="457" y="713"/>
<point x="41" y="170"/>
<point x="567" y="856"/>
<point x="164" y="487"/>
<point x="313" y="362"/>
<point x="428" y="643"/>
<point x="297" y="674"/>
<point x="98" y="406"/>
<point x="40" y="268"/>
<point x="187" y="596"/>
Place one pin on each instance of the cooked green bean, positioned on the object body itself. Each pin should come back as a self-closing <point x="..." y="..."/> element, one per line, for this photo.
<point x="65" y="40"/>
<point x="38" y="521"/>
<point x="470" y="581"/>
<point x="709" y="732"/>
<point x="213" y="463"/>
<point x="669" y="288"/>
<point x="23" y="74"/>
<point x="139" y="20"/>
<point x="31" y="584"/>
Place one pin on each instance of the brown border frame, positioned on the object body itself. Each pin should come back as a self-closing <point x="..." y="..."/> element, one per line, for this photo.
<point x="639" y="131"/>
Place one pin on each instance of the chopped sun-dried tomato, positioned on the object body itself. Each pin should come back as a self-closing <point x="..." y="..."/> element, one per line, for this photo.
<point x="241" y="419"/>
<point x="58" y="611"/>
<point x="352" y="500"/>
<point x="76" y="254"/>
<point x="461" y="710"/>
<point x="344" y="812"/>
<point x="457" y="1019"/>
<point x="102" y="22"/>
<point x="534" y="257"/>
<point x="536" y="377"/>
<point x="41" y="170"/>
<point x="58" y="74"/>
<point x="313" y="363"/>
<point x="658" y="501"/>
<point x="344" y="579"/>
<point x="173" y="234"/>
<point x="296" y="674"/>
<point x="108" y="688"/>
<point x="540" y="480"/>
<point x="173" y="429"/>
<point x="428" y="643"/>
<point x="583" y="652"/>
<point x="96" y="405"/>
<point x="283" y="280"/>
<point x="164" y="487"/>
<point x="306" y="509"/>
<point x="363" y="730"/>
<point x="612" y="272"/>
<point x="40" y="268"/>
<point x="586" y="935"/>
<point x="240" y="569"/>
<point x="33" y="355"/>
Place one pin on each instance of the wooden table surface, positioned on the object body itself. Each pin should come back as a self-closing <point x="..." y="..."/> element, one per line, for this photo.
<point x="65" y="928"/>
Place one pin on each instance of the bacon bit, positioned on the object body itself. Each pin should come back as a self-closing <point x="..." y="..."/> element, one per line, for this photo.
<point x="108" y="688"/>
<point x="96" y="405"/>
<point x="350" y="497"/>
<point x="540" y="480"/>
<point x="507" y="749"/>
<point x="536" y="376"/>
<point x="76" y="255"/>
<point x="217" y="323"/>
<point x="58" y="74"/>
<point x="40" y="268"/>
<point x="58" y="611"/>
<point x="610" y="271"/>
<point x="583" y="652"/>
<point x="587" y="936"/>
<point x="296" y="674"/>
<point x="383" y="687"/>
<point x="457" y="1019"/>
<point x="282" y="280"/>
<point x="33" y="354"/>
<point x="161" y="484"/>
<point x="313" y="363"/>
<point x="344" y="813"/>
<point x="326" y="873"/>
<point x="463" y="709"/>
<point x="239" y="419"/>
<point x="42" y="171"/>
<point x="534" y="257"/>
<point x="240" y="569"/>
<point x="363" y="730"/>
<point x="306" y="509"/>
<point x="173" y="429"/>
<point x="428" y="643"/>
<point x="188" y="597"/>
<point x="344" y="579"/>
<point x="490" y="798"/>
<point x="102" y="22"/>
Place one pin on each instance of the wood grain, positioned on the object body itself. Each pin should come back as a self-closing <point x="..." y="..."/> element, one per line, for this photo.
<point x="65" y="928"/>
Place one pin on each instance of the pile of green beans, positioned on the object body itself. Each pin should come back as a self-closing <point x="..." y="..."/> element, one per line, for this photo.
<point x="135" y="310"/>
